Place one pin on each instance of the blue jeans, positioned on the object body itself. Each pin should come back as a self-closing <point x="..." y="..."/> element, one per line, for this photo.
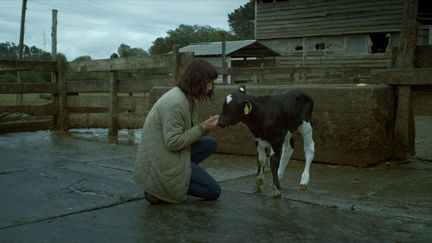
<point x="201" y="183"/>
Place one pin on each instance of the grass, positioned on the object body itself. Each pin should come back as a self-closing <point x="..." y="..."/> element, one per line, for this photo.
<point x="28" y="99"/>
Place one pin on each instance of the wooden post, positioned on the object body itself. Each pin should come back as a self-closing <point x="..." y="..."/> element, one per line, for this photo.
<point x="19" y="97"/>
<point x="54" y="75"/>
<point x="224" y="63"/>
<point x="304" y="56"/>
<point x="404" y="135"/>
<point x="408" y="37"/>
<point x="176" y="63"/>
<point x="63" y="112"/>
<point x="113" y="107"/>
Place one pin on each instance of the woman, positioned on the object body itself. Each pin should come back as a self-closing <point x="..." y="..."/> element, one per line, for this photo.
<point x="173" y="142"/>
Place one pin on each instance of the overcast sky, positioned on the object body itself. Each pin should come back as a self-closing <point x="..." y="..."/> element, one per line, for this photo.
<point x="98" y="27"/>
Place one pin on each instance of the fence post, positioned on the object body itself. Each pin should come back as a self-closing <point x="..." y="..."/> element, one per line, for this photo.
<point x="176" y="62"/>
<point x="19" y="97"/>
<point x="63" y="112"/>
<point x="404" y="138"/>
<point x="113" y="107"/>
<point x="224" y="63"/>
<point x="54" y="75"/>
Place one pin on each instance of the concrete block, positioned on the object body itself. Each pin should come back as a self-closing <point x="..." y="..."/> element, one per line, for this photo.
<point x="352" y="125"/>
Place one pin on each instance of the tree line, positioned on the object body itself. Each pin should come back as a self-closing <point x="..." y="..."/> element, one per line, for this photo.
<point x="241" y="22"/>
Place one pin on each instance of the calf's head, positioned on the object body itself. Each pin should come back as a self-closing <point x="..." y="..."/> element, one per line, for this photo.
<point x="235" y="108"/>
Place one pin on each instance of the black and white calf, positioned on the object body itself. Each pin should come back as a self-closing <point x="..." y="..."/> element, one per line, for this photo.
<point x="272" y="121"/>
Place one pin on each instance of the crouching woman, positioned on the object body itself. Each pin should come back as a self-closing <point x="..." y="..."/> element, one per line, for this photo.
<point x="173" y="142"/>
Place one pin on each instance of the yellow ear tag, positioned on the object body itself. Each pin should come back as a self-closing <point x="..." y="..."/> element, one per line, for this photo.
<point x="247" y="108"/>
<point x="242" y="89"/>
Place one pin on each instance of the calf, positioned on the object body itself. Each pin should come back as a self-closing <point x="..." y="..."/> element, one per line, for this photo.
<point x="272" y="121"/>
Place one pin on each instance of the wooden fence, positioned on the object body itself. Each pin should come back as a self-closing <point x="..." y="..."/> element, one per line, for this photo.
<point x="117" y="102"/>
<point x="72" y="99"/>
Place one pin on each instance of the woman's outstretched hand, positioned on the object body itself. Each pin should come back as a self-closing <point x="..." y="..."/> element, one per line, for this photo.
<point x="211" y="123"/>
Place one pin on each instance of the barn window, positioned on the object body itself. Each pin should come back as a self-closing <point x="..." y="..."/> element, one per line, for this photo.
<point x="379" y="42"/>
<point x="424" y="12"/>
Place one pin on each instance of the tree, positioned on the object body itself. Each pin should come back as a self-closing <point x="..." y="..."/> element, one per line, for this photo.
<point x="9" y="51"/>
<point x="186" y="34"/>
<point x="82" y="58"/>
<point x="126" y="51"/>
<point x="242" y="21"/>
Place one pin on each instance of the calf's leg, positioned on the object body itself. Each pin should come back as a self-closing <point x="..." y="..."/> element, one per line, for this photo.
<point x="287" y="151"/>
<point x="309" y="149"/>
<point x="261" y="161"/>
<point x="274" y="165"/>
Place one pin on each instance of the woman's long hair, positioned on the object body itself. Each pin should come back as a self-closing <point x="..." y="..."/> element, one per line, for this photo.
<point x="194" y="79"/>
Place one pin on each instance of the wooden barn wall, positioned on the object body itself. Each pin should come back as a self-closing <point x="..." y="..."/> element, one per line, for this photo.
<point x="303" y="18"/>
<point x="342" y="27"/>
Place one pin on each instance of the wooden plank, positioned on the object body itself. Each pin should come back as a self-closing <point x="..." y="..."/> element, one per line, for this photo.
<point x="335" y="22"/>
<point x="334" y="8"/>
<point x="124" y="86"/>
<point x="361" y="26"/>
<point x="130" y="103"/>
<point x="75" y="109"/>
<point x="88" y="101"/>
<point x="87" y="86"/>
<point x="27" y="126"/>
<point x="27" y="88"/>
<point x="305" y="18"/>
<point x="25" y="65"/>
<point x="280" y="17"/>
<point x="161" y="63"/>
<point x="345" y="6"/>
<point x="48" y="109"/>
<point x="264" y="71"/>
<point x="138" y="86"/>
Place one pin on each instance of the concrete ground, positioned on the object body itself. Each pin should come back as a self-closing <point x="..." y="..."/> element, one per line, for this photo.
<point x="78" y="188"/>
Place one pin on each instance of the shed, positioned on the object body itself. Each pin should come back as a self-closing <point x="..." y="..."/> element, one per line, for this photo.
<point x="241" y="53"/>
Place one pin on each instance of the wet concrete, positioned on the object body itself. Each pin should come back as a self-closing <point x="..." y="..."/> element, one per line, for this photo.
<point x="58" y="188"/>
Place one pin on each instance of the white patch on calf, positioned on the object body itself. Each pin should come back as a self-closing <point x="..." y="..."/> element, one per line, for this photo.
<point x="228" y="99"/>
<point x="262" y="160"/>
<point x="287" y="151"/>
<point x="264" y="144"/>
<point x="309" y="149"/>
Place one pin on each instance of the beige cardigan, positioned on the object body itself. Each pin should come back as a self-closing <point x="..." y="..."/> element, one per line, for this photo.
<point x="163" y="162"/>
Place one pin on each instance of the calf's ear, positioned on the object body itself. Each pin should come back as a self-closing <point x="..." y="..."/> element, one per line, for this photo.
<point x="242" y="89"/>
<point x="247" y="107"/>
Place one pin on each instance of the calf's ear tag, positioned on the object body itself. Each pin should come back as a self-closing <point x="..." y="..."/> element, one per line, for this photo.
<point x="242" y="89"/>
<point x="247" y="107"/>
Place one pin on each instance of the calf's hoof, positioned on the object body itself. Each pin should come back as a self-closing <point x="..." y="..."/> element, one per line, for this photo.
<point x="276" y="193"/>
<point x="258" y="186"/>
<point x="303" y="187"/>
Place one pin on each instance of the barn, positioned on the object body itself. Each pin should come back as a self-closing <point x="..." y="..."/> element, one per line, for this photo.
<point x="350" y="36"/>
<point x="242" y="53"/>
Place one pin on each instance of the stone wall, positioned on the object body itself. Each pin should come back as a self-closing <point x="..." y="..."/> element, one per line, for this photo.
<point x="352" y="125"/>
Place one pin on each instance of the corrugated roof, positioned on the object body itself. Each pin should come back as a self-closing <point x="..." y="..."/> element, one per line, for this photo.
<point x="241" y="48"/>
